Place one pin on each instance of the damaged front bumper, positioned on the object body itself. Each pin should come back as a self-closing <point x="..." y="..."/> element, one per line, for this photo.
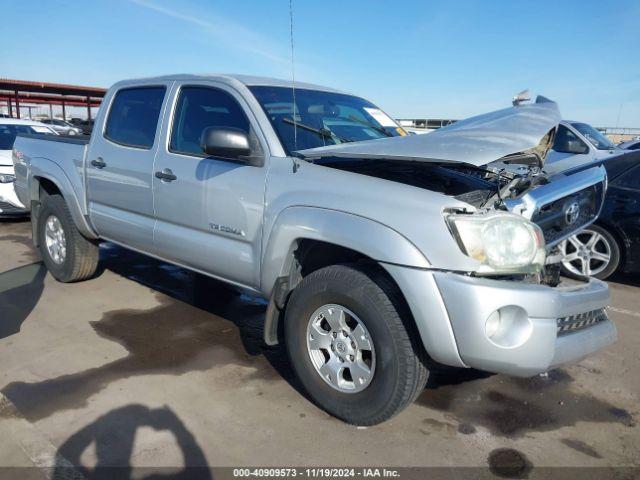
<point x="540" y="327"/>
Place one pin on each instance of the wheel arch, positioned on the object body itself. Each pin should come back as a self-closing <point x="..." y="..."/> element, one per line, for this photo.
<point x="620" y="238"/>
<point x="47" y="178"/>
<point x="296" y="226"/>
<point x="305" y="239"/>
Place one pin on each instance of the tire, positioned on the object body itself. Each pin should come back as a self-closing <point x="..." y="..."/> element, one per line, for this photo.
<point x="397" y="359"/>
<point x="80" y="258"/>
<point x="600" y="269"/>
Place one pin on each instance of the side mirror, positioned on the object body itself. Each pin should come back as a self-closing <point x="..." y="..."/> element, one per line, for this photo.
<point x="226" y="142"/>
<point x="572" y="146"/>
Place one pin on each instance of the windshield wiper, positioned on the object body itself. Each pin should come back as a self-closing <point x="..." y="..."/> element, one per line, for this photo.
<point x="371" y="125"/>
<point x="323" y="132"/>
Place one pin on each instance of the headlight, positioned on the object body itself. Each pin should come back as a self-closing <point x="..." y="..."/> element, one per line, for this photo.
<point x="7" y="178"/>
<point x="502" y="242"/>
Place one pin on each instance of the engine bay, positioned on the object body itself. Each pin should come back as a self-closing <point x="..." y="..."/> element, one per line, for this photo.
<point x="482" y="187"/>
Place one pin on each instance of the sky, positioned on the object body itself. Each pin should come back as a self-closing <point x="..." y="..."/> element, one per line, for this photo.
<point x="414" y="59"/>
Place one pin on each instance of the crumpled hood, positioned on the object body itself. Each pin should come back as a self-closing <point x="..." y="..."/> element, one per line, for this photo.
<point x="5" y="158"/>
<point x="477" y="140"/>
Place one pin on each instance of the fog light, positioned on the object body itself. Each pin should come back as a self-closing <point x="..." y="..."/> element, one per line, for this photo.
<point x="508" y="326"/>
<point x="492" y="325"/>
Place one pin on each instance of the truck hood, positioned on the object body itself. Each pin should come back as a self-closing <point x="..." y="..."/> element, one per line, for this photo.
<point x="520" y="130"/>
<point x="5" y="158"/>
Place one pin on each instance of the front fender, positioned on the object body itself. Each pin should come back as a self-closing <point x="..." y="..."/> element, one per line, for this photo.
<point x="47" y="169"/>
<point x="361" y="234"/>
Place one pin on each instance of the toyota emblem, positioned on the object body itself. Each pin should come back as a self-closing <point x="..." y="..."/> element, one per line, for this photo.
<point x="572" y="213"/>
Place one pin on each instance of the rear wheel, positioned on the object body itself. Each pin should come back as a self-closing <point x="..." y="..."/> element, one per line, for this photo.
<point x="594" y="252"/>
<point x="68" y="255"/>
<point x="353" y="344"/>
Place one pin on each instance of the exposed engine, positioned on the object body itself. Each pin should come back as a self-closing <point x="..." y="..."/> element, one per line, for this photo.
<point x="486" y="187"/>
<point x="518" y="185"/>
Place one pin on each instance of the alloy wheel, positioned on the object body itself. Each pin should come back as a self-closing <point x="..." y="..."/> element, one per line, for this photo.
<point x="586" y="253"/>
<point x="340" y="348"/>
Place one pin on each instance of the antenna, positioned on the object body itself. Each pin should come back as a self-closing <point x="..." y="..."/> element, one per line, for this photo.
<point x="293" y="78"/>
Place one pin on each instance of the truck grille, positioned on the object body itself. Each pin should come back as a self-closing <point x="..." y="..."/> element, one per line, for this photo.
<point x="574" y="323"/>
<point x="8" y="209"/>
<point x="560" y="218"/>
<point x="565" y="205"/>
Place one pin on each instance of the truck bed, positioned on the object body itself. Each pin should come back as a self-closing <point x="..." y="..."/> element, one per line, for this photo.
<point x="37" y="152"/>
<point x="75" y="139"/>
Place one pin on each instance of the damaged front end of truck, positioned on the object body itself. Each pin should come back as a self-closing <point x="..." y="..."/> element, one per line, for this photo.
<point x="494" y="163"/>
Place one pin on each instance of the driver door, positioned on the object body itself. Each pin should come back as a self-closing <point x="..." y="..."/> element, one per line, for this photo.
<point x="209" y="217"/>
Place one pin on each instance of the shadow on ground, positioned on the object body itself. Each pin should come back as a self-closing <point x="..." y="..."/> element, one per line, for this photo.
<point x="174" y="337"/>
<point x="113" y="436"/>
<point x="512" y="407"/>
<point x="20" y="291"/>
<point x="631" y="279"/>
<point x="170" y="338"/>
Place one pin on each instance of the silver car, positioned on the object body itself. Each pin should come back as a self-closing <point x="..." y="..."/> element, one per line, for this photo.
<point x="577" y="144"/>
<point x="62" y="127"/>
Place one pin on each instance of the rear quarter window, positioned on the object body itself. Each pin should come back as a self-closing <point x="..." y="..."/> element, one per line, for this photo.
<point x="133" y="117"/>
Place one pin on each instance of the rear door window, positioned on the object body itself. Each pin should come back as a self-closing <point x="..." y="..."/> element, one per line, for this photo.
<point x="133" y="117"/>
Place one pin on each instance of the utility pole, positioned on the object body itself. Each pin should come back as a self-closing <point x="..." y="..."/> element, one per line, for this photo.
<point x="619" y="112"/>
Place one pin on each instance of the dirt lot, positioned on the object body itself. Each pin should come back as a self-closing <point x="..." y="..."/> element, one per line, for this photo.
<point x="149" y="364"/>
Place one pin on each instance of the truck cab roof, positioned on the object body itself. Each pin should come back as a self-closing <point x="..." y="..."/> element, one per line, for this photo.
<point x="245" y="80"/>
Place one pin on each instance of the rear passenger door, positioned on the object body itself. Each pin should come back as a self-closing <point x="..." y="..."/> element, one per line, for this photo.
<point x="209" y="216"/>
<point x="120" y="165"/>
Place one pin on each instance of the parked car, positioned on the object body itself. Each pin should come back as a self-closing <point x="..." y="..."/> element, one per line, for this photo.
<point x="578" y="143"/>
<point x="86" y="126"/>
<point x="377" y="251"/>
<point x="62" y="127"/>
<point x="612" y="243"/>
<point x="9" y="128"/>
<point x="630" y="145"/>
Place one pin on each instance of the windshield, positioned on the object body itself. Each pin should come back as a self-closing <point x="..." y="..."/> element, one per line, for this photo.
<point x="8" y="133"/>
<point x="322" y="118"/>
<point x="596" y="138"/>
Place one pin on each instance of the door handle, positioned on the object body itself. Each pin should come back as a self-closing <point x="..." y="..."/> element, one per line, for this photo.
<point x="166" y="175"/>
<point x="98" y="163"/>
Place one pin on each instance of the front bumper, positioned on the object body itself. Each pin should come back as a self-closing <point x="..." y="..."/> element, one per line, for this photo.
<point x="9" y="203"/>
<point x="451" y="310"/>
<point x="471" y="300"/>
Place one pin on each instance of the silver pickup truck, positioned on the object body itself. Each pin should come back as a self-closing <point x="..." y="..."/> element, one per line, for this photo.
<point x="381" y="254"/>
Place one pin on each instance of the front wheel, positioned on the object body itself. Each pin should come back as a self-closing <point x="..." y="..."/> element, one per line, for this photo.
<point x="593" y="252"/>
<point x="353" y="345"/>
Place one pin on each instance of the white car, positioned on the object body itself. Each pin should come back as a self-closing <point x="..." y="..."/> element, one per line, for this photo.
<point x="576" y="144"/>
<point x="9" y="128"/>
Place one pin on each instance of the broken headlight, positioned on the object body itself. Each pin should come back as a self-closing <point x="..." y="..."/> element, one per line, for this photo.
<point x="502" y="242"/>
